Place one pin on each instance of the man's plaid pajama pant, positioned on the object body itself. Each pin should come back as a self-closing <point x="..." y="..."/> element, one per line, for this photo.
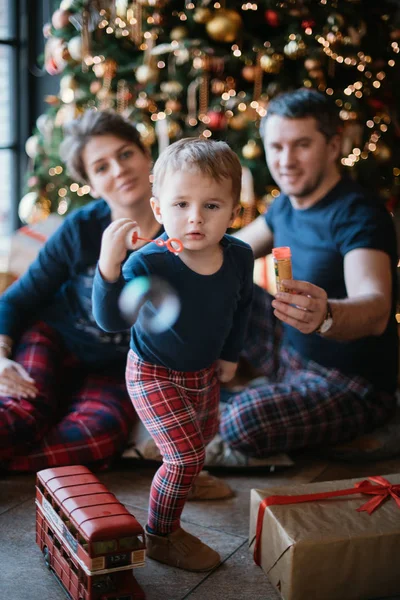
<point x="298" y="403"/>
<point x="78" y="417"/>
<point x="180" y="411"/>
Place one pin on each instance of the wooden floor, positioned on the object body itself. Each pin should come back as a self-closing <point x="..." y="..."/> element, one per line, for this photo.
<point x="223" y="525"/>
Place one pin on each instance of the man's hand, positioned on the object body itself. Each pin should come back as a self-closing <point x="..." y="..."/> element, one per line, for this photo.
<point x="303" y="308"/>
<point x="226" y="370"/>
<point x="15" y="381"/>
<point x="114" y="246"/>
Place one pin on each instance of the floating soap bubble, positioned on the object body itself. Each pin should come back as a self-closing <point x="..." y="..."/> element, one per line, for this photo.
<point x="155" y="298"/>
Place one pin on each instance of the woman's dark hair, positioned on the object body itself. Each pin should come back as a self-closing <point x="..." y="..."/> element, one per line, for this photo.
<point x="303" y="103"/>
<point x="93" y="123"/>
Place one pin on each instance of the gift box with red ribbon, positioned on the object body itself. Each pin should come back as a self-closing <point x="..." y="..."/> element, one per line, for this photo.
<point x="336" y="540"/>
<point x="27" y="242"/>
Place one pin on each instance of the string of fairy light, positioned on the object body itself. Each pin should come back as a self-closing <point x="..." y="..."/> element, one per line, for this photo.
<point x="360" y="61"/>
<point x="367" y="79"/>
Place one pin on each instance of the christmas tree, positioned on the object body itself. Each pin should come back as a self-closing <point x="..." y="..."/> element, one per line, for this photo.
<point x="178" y="68"/>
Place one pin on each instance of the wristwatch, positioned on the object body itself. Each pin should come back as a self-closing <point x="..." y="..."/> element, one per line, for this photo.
<point x="327" y="322"/>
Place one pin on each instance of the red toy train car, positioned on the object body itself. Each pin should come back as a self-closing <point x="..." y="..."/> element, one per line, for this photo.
<point x="89" y="539"/>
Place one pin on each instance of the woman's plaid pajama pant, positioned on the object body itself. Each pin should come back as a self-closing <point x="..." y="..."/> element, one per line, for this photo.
<point x="180" y="411"/>
<point x="78" y="417"/>
<point x="298" y="403"/>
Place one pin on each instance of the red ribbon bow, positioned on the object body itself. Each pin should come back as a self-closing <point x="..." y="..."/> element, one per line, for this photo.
<point x="380" y="493"/>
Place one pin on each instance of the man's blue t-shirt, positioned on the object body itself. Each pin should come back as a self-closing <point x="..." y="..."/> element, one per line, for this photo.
<point x="319" y="238"/>
<point x="214" y="308"/>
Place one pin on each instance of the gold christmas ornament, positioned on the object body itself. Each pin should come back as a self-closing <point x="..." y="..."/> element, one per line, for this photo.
<point x="202" y="15"/>
<point x="271" y="63"/>
<point x="99" y="69"/>
<point x="60" y="19"/>
<point x="173" y="129"/>
<point x="105" y="96"/>
<point x="67" y="113"/>
<point x="224" y="26"/>
<point x="75" y="48"/>
<point x="157" y="18"/>
<point x="173" y="105"/>
<point x="251" y="150"/>
<point x="142" y="102"/>
<point x="317" y="74"/>
<point x="95" y="87"/>
<point x="294" y="49"/>
<point x="238" y="122"/>
<point x="68" y="82"/>
<point x="249" y="72"/>
<point x="179" y="33"/>
<point x="147" y="133"/>
<point x="32" y="146"/>
<point x="172" y="88"/>
<point x="250" y="113"/>
<point x="146" y="74"/>
<point x="312" y="63"/>
<point x="33" y="208"/>
<point x="382" y="153"/>
<point x="217" y="87"/>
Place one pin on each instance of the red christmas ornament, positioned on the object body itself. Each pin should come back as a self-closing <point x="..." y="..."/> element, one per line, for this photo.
<point x="51" y="66"/>
<point x="375" y="103"/>
<point x="216" y="120"/>
<point x="272" y="18"/>
<point x="391" y="204"/>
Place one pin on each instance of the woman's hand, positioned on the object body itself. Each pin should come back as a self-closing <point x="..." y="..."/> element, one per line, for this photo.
<point x="114" y="245"/>
<point x="226" y="370"/>
<point x="303" y="308"/>
<point x="15" y="381"/>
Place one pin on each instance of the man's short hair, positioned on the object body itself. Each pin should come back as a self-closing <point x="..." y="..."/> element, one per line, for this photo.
<point x="93" y="123"/>
<point x="214" y="159"/>
<point x="302" y="103"/>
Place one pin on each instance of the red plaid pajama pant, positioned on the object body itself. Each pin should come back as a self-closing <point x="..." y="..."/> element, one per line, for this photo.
<point x="298" y="403"/>
<point x="78" y="416"/>
<point x="180" y="411"/>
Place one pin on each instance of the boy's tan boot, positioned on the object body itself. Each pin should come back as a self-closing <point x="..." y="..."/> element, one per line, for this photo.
<point x="182" y="550"/>
<point x="208" y="487"/>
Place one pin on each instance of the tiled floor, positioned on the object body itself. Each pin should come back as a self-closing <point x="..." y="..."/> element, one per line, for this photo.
<point x="223" y="525"/>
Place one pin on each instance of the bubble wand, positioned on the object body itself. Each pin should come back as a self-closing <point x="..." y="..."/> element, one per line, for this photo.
<point x="173" y="244"/>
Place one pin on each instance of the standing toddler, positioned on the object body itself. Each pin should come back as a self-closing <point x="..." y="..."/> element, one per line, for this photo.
<point x="173" y="377"/>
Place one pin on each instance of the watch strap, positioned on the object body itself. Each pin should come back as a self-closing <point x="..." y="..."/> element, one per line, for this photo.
<point x="328" y="315"/>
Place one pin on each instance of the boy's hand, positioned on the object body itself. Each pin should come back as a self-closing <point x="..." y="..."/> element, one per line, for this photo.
<point x="226" y="370"/>
<point x="114" y="244"/>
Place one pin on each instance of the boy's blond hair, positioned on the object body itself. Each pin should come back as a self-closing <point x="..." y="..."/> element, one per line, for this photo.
<point x="211" y="158"/>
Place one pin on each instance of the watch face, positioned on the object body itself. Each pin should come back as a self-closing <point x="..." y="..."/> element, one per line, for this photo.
<point x="326" y="325"/>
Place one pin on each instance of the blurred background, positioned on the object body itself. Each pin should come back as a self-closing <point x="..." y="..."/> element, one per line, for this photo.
<point x="181" y="68"/>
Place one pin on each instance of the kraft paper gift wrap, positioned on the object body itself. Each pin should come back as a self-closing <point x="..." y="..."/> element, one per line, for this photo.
<point x="326" y="549"/>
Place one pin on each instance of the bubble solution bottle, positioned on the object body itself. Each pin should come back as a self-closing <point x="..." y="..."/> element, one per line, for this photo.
<point x="283" y="266"/>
